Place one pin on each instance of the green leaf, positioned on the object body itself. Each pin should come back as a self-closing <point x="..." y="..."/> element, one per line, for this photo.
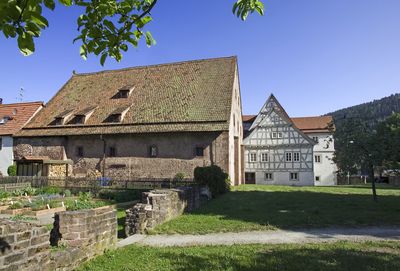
<point x="82" y="52"/>
<point x="66" y="2"/>
<point x="49" y="4"/>
<point x="26" y="44"/>
<point x="103" y="59"/>
<point x="39" y="20"/>
<point x="149" y="39"/>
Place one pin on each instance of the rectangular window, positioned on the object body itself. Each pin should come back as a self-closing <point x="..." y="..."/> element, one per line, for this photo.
<point x="288" y="157"/>
<point x="274" y="135"/>
<point x="315" y="138"/>
<point x="317" y="178"/>
<point x="280" y="135"/>
<point x="253" y="157"/>
<point x="153" y="151"/>
<point x="79" y="151"/>
<point x="296" y="156"/>
<point x="294" y="176"/>
<point x="317" y="158"/>
<point x="264" y="157"/>
<point x="268" y="176"/>
<point x="79" y="119"/>
<point x="199" y="151"/>
<point x="112" y="152"/>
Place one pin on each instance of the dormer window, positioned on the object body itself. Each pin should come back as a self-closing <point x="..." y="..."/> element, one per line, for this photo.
<point x="82" y="116"/>
<point x="5" y="119"/>
<point x="125" y="91"/>
<point x="62" y="118"/>
<point x="117" y="116"/>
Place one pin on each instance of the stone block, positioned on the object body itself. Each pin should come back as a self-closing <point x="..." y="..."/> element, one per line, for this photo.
<point x="40" y="240"/>
<point x="23" y="236"/>
<point x="15" y="257"/>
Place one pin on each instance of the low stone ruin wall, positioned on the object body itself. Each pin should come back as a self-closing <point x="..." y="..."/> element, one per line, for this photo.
<point x="159" y="206"/>
<point x="23" y="246"/>
<point x="80" y="235"/>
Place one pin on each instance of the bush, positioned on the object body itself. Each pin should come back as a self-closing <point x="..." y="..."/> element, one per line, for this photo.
<point x="12" y="170"/>
<point x="30" y="191"/>
<point x="67" y="193"/>
<point x="121" y="195"/>
<point x="4" y="194"/>
<point x="179" y="177"/>
<point x="214" y="177"/>
<point x="49" y="190"/>
<point x="16" y="205"/>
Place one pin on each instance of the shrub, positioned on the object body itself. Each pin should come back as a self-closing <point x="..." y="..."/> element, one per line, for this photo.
<point x="179" y="177"/>
<point x="12" y="170"/>
<point x="4" y="194"/>
<point x="67" y="193"/>
<point x="85" y="196"/>
<point x="49" y="190"/>
<point x="214" y="177"/>
<point x="16" y="205"/>
<point x="30" y="191"/>
<point x="121" y="195"/>
<point x="73" y="205"/>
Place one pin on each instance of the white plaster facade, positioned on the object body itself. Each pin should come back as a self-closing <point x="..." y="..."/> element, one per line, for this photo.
<point x="276" y="151"/>
<point x="6" y="153"/>
<point x="324" y="167"/>
<point x="236" y="134"/>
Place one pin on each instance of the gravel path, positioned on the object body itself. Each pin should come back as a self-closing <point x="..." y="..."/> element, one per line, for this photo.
<point x="268" y="237"/>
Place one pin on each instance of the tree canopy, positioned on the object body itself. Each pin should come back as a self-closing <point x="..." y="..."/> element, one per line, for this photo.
<point x="106" y="28"/>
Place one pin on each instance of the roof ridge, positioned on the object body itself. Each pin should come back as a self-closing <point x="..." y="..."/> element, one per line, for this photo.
<point x="24" y="103"/>
<point x="156" y="65"/>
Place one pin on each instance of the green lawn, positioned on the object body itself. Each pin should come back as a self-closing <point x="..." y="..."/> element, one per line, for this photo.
<point x="255" y="207"/>
<point x="327" y="256"/>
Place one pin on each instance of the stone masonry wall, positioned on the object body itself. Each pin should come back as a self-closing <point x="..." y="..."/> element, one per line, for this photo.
<point x="23" y="246"/>
<point x="175" y="153"/>
<point x="159" y="206"/>
<point x="80" y="236"/>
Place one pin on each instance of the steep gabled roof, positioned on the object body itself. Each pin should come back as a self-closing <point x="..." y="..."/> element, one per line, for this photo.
<point x="270" y="105"/>
<point x="17" y="115"/>
<point x="184" y="96"/>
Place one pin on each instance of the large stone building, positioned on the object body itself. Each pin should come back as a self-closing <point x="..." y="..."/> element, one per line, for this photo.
<point x="147" y="122"/>
<point x="12" y="118"/>
<point x="288" y="151"/>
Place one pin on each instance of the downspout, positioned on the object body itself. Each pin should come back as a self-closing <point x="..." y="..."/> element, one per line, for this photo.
<point x="104" y="155"/>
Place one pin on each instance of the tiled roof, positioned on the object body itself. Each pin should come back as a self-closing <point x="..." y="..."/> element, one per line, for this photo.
<point x="305" y="124"/>
<point x="314" y="124"/>
<point x="20" y="114"/>
<point x="188" y="96"/>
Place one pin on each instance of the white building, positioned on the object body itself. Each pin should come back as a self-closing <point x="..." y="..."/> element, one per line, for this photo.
<point x="321" y="129"/>
<point x="280" y="150"/>
<point x="12" y="118"/>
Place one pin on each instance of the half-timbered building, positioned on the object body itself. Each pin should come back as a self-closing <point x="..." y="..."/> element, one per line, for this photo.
<point x="276" y="151"/>
<point x="288" y="151"/>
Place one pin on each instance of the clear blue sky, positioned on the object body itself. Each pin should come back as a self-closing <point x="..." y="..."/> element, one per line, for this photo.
<point x="316" y="56"/>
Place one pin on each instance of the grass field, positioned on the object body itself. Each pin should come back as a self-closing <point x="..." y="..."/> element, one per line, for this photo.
<point x="327" y="256"/>
<point x="255" y="207"/>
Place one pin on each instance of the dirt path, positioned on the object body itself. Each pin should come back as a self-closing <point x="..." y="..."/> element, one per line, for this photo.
<point x="269" y="237"/>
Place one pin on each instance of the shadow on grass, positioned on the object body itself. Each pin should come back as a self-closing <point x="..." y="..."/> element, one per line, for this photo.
<point x="285" y="259"/>
<point x="296" y="209"/>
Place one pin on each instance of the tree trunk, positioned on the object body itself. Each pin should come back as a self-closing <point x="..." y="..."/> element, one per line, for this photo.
<point x="372" y="176"/>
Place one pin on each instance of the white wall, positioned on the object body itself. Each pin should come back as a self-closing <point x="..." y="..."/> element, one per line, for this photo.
<point x="326" y="169"/>
<point x="6" y="154"/>
<point x="235" y="130"/>
<point x="283" y="178"/>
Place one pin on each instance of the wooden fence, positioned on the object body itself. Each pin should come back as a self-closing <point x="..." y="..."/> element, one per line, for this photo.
<point x="99" y="183"/>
